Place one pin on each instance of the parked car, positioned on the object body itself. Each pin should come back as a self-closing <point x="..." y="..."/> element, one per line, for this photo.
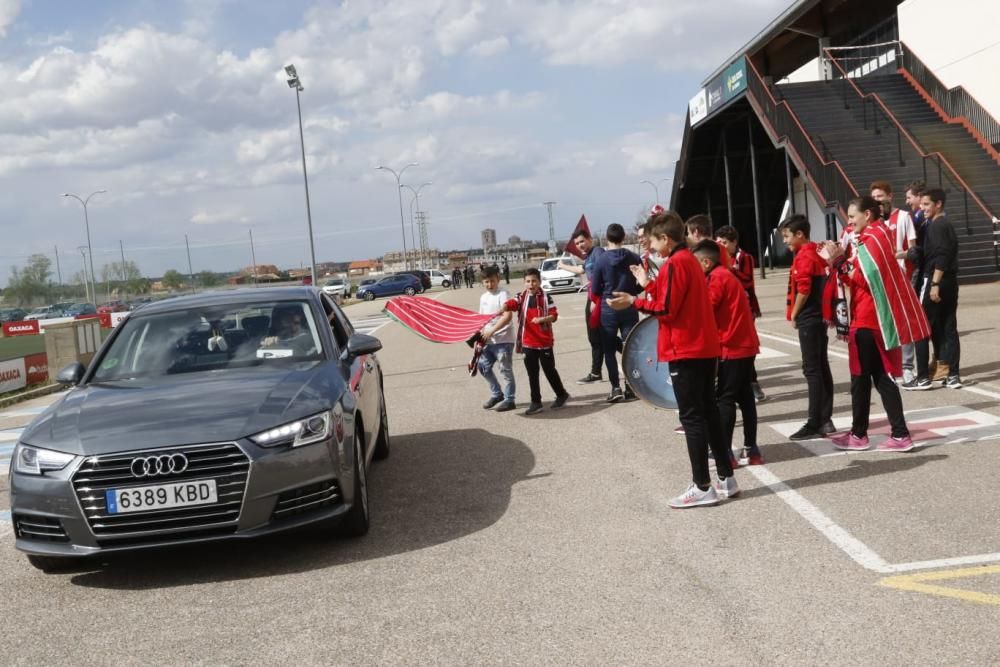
<point x="400" y="283"/>
<point x="246" y="413"/>
<point x="112" y="307"/>
<point x="555" y="279"/>
<point x="439" y="279"/>
<point x="45" y="313"/>
<point x="13" y="315"/>
<point x="337" y="287"/>
<point x="425" y="279"/>
<point x="77" y="309"/>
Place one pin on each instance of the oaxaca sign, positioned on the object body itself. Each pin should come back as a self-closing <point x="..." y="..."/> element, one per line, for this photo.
<point x="28" y="328"/>
<point x="721" y="90"/>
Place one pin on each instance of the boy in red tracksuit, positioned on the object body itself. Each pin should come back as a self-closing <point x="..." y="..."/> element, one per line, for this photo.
<point x="689" y="341"/>
<point x="536" y="312"/>
<point x="739" y="345"/>
<point x="743" y="265"/>
<point x="804" y="310"/>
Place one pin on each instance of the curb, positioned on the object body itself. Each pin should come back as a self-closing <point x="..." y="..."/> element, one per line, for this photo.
<point x="26" y="395"/>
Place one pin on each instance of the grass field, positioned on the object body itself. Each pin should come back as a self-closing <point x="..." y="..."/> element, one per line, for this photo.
<point x="21" y="346"/>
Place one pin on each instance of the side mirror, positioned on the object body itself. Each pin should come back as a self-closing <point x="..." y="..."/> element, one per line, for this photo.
<point x="361" y="344"/>
<point x="72" y="374"/>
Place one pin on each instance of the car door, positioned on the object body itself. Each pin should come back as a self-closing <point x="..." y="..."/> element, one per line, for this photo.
<point x="362" y="378"/>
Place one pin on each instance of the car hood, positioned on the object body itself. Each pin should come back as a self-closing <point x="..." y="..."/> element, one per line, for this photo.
<point x="557" y="274"/>
<point x="182" y="409"/>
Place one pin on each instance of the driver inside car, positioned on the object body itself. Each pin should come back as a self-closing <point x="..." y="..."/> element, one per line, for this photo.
<point x="289" y="331"/>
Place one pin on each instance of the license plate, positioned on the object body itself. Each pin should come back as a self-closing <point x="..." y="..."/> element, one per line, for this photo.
<point x="561" y="283"/>
<point x="161" y="496"/>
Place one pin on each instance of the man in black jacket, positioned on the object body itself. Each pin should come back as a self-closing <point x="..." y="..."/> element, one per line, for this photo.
<point x="939" y="293"/>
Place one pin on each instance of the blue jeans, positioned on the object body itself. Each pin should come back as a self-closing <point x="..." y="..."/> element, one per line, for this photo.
<point x="502" y="354"/>
<point x="615" y="323"/>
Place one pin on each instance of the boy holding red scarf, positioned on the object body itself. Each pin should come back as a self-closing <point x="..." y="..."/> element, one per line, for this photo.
<point x="536" y="312"/>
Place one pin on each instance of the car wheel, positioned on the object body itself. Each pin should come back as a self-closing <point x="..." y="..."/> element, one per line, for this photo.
<point x="382" y="443"/>
<point x="54" y="564"/>
<point x="409" y="291"/>
<point x="356" y="522"/>
<point x="369" y="296"/>
<point x="446" y="284"/>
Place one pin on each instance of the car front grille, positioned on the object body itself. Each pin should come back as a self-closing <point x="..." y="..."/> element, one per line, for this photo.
<point x="307" y="499"/>
<point x="225" y="463"/>
<point x="39" y="528"/>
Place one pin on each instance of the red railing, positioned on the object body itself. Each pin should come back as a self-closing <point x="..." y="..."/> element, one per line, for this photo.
<point x="826" y="176"/>
<point x="943" y="166"/>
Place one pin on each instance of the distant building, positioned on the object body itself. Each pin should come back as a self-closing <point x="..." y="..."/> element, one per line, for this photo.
<point x="363" y="267"/>
<point x="489" y="238"/>
<point x="514" y="240"/>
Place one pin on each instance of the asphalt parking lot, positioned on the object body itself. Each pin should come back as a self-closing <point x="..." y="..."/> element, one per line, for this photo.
<point x="500" y="538"/>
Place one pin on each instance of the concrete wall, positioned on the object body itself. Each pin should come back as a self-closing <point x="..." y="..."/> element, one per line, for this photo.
<point x="959" y="41"/>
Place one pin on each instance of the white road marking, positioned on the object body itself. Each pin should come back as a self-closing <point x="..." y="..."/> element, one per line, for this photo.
<point x="843" y="540"/>
<point x="6" y="527"/>
<point x="770" y="353"/>
<point x="795" y="343"/>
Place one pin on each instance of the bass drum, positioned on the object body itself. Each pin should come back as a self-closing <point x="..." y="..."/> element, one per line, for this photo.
<point x="648" y="377"/>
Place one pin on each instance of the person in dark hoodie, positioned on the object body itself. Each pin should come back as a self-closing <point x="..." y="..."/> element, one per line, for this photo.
<point x="612" y="274"/>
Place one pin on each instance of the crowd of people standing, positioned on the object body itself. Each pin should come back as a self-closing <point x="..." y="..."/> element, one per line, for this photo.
<point x="888" y="286"/>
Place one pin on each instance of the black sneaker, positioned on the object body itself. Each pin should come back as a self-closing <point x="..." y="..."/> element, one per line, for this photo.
<point x="505" y="406"/>
<point x="758" y="393"/>
<point x="616" y="395"/>
<point x="918" y="384"/>
<point x="629" y="394"/>
<point x="534" y="408"/>
<point x="590" y="379"/>
<point x="560" y="401"/>
<point x="827" y="429"/>
<point x="807" y="432"/>
<point x="493" y="400"/>
<point x="953" y="382"/>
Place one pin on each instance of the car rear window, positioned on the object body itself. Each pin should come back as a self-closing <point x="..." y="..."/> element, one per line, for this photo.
<point x="216" y="339"/>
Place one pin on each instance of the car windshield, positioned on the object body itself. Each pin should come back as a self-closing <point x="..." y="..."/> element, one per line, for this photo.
<point x="211" y="338"/>
<point x="335" y="281"/>
<point x="550" y="265"/>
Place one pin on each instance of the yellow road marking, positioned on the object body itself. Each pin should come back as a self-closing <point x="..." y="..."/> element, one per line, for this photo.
<point x="915" y="583"/>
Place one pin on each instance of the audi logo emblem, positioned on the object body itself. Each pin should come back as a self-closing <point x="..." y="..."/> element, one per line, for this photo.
<point x="155" y="466"/>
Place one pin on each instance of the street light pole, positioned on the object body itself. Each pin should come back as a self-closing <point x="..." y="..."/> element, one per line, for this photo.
<point x="86" y="222"/>
<point x="399" y="193"/>
<point x="655" y="189"/>
<point x="294" y="82"/>
<point x="416" y="198"/>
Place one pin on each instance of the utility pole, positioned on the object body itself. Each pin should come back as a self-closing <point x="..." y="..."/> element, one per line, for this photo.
<point x="190" y="270"/>
<point x="424" y="245"/>
<point x="552" y="228"/>
<point x="253" y="258"/>
<point x="86" y="283"/>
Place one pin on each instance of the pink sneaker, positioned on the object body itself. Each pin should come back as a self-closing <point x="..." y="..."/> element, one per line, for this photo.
<point x="903" y="444"/>
<point x="850" y="442"/>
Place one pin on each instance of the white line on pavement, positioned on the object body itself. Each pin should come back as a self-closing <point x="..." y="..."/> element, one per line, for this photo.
<point x="853" y="547"/>
<point x="790" y="341"/>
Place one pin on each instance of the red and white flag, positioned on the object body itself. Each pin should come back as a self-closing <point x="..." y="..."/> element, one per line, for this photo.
<point x="581" y="226"/>
<point x="437" y="322"/>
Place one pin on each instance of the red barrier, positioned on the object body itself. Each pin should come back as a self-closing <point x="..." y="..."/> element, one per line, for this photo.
<point x="26" y="328"/>
<point x="37" y="367"/>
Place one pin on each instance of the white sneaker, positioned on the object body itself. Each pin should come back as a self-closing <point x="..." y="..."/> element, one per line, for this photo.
<point x="694" y="497"/>
<point x="726" y="487"/>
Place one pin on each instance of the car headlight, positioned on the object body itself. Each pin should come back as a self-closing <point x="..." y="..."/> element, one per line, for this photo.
<point x="302" y="432"/>
<point x="30" y="460"/>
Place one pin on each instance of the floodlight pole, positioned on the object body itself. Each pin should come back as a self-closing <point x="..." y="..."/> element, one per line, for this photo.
<point x="296" y="83"/>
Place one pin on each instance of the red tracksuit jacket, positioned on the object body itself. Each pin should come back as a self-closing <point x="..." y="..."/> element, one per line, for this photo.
<point x="737" y="333"/>
<point x="679" y="300"/>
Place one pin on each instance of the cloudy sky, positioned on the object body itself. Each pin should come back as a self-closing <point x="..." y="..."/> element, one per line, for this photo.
<point x="180" y="110"/>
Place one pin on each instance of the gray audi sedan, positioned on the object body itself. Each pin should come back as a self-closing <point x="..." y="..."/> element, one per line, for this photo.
<point x="219" y="416"/>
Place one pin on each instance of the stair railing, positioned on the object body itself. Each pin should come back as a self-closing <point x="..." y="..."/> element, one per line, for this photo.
<point x="826" y="176"/>
<point x="944" y="167"/>
<point x="956" y="102"/>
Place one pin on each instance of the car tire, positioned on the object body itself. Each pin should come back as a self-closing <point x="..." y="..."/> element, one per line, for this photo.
<point x="409" y="291"/>
<point x="54" y="564"/>
<point x="382" y="443"/>
<point x="446" y="284"/>
<point x="369" y="296"/>
<point x="357" y="520"/>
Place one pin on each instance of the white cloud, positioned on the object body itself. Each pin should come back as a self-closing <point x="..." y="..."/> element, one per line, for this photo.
<point x="490" y="47"/>
<point x="224" y="216"/>
<point x="654" y="151"/>
<point x="9" y="9"/>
